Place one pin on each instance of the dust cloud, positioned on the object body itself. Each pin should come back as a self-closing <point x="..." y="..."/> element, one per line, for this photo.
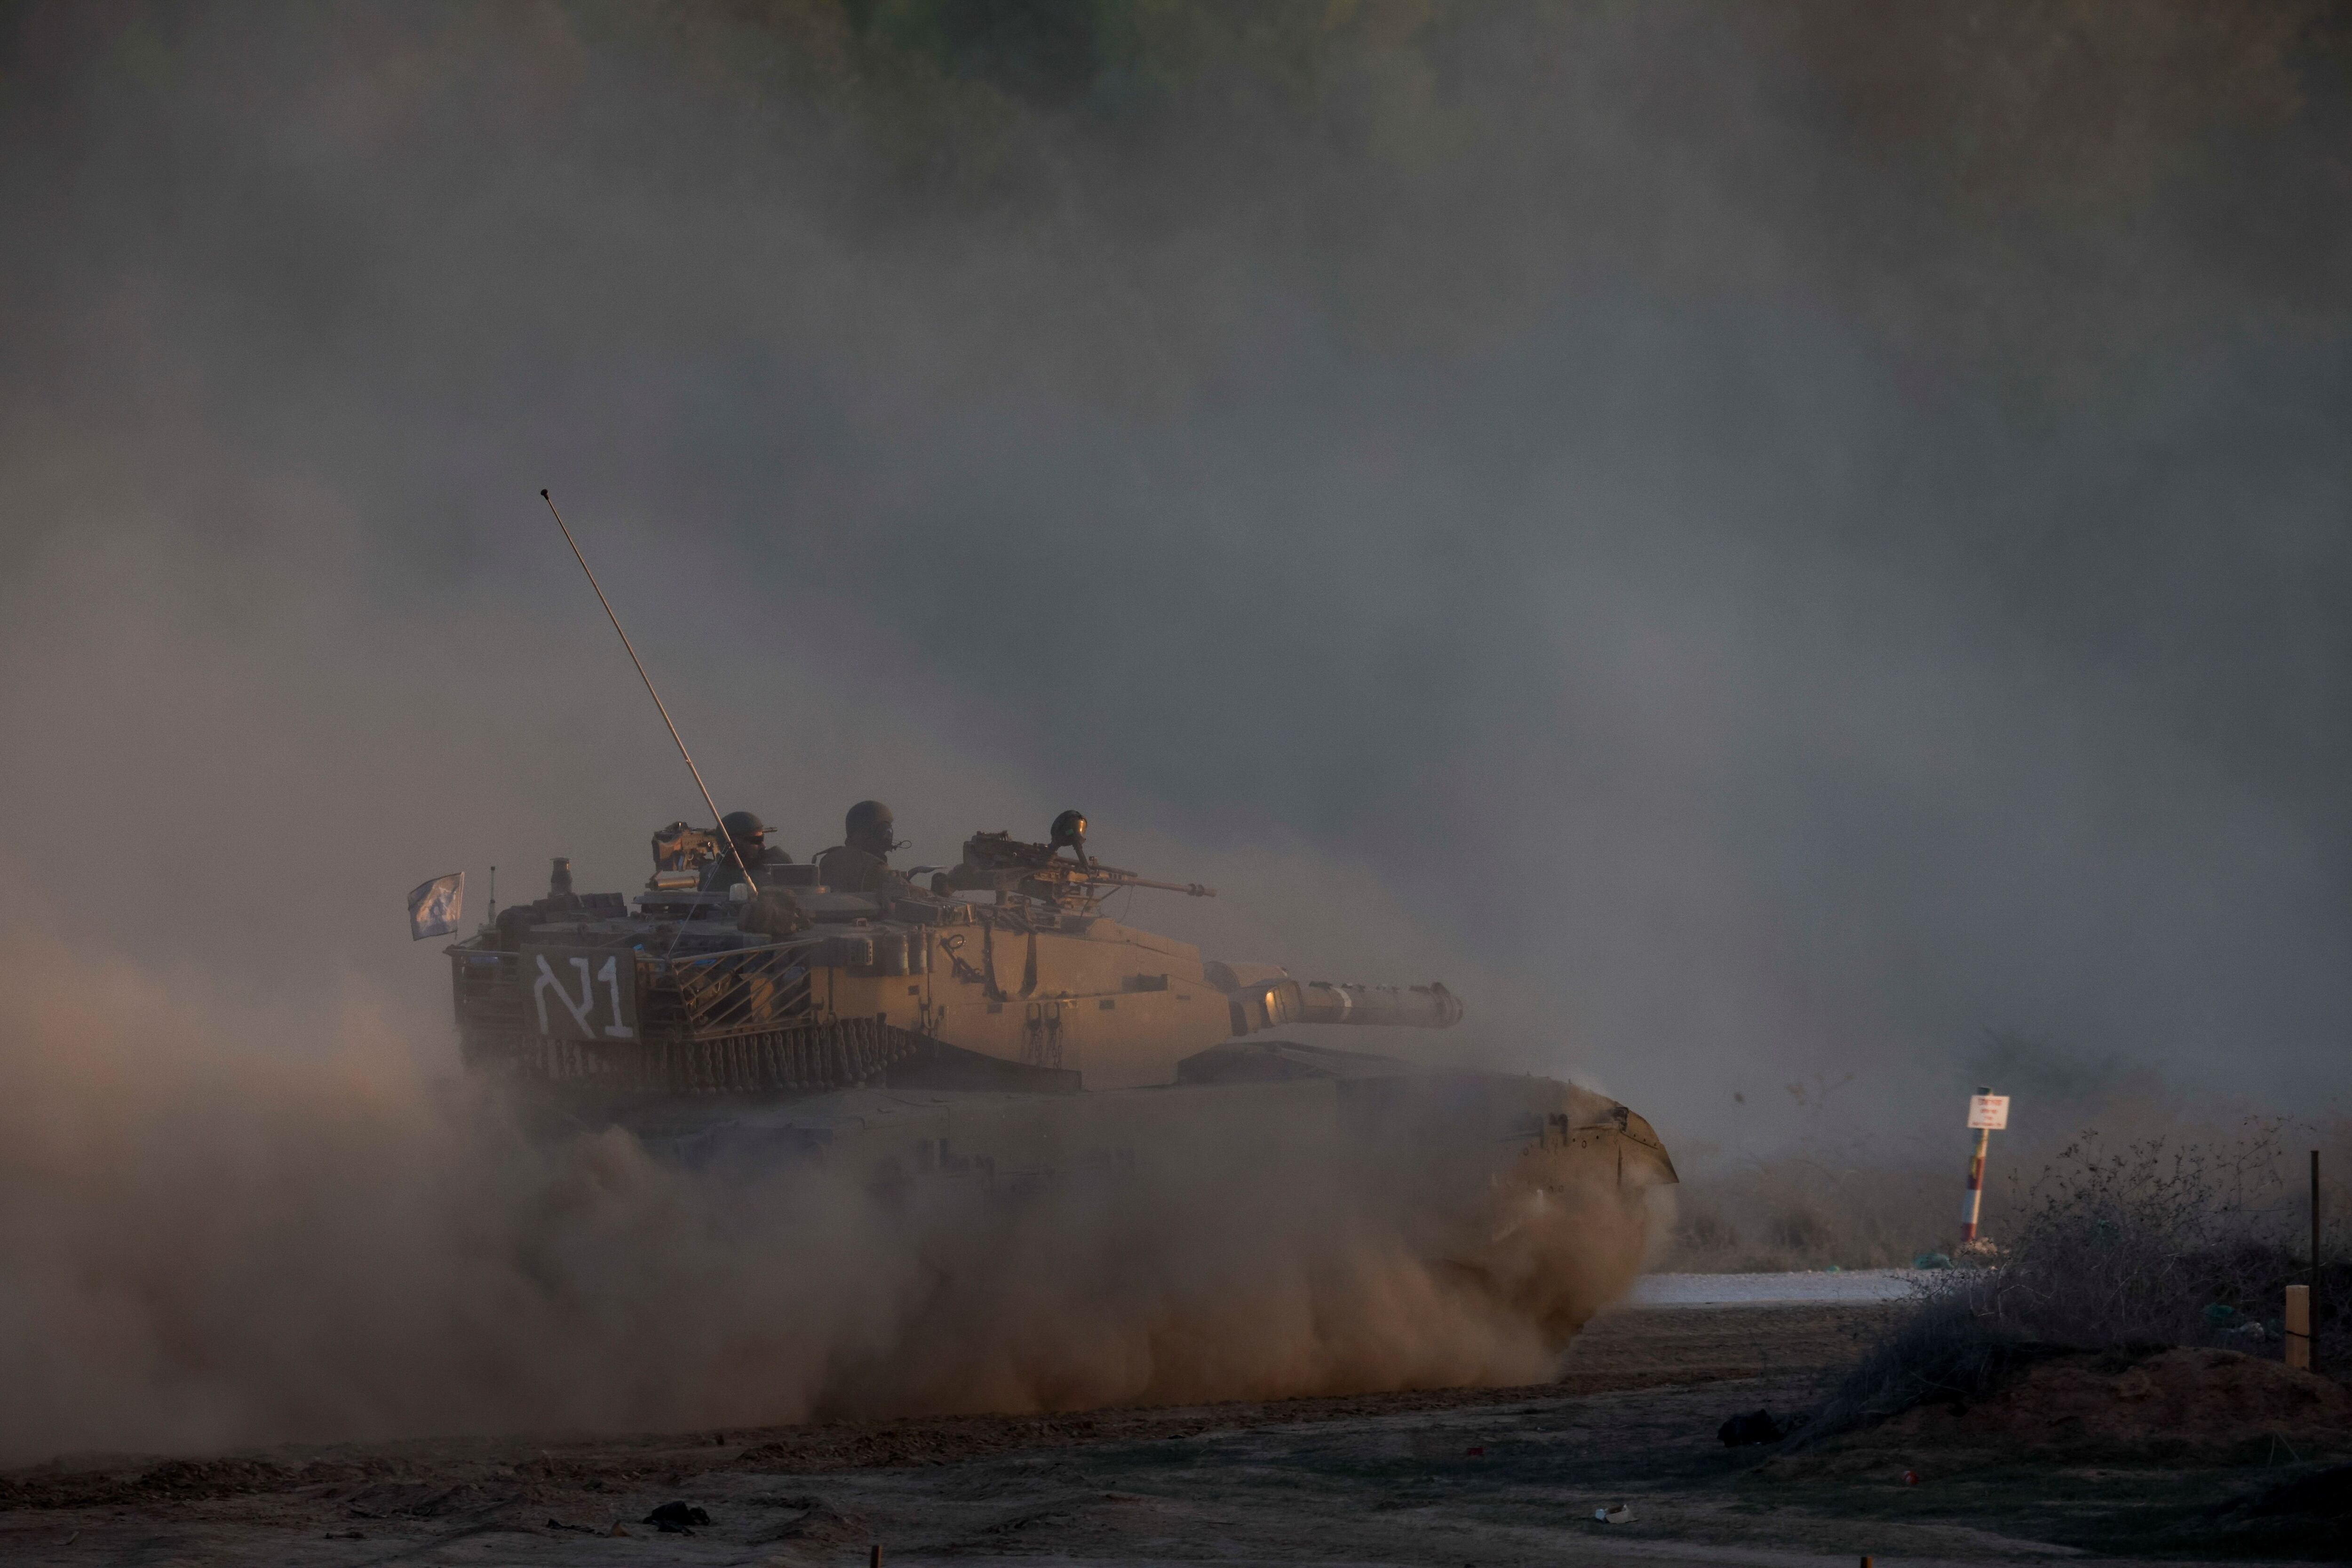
<point x="217" y="1238"/>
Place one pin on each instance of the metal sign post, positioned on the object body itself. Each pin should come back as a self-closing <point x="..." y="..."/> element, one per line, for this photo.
<point x="1988" y="1113"/>
<point x="2303" y="1336"/>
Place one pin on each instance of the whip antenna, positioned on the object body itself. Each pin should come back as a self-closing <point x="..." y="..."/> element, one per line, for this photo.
<point x="730" y="838"/>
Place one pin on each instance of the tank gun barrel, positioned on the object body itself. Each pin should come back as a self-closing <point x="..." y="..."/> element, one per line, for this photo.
<point x="1264" y="995"/>
<point x="1395" y="1006"/>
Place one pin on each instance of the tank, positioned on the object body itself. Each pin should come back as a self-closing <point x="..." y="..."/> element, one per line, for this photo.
<point x="986" y="1026"/>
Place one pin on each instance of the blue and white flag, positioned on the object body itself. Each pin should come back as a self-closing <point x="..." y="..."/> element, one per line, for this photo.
<point x="434" y="908"/>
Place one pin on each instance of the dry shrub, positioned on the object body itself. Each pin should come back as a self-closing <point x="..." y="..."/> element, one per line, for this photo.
<point x="2133" y="1246"/>
<point x="1951" y="1346"/>
<point x="2131" y="1250"/>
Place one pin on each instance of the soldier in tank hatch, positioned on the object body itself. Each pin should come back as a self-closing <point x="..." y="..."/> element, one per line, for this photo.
<point x="749" y="835"/>
<point x="861" y="861"/>
<point x="1070" y="832"/>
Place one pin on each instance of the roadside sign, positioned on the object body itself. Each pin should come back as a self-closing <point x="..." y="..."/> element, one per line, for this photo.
<point x="1988" y="1112"/>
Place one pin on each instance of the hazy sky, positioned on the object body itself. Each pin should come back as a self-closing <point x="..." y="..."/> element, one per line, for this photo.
<point x="1754" y="543"/>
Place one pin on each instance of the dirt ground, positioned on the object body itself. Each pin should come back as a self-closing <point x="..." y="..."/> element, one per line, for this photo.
<point x="1483" y="1477"/>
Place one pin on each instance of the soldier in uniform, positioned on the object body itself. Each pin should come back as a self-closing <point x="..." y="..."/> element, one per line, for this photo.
<point x="1070" y="832"/>
<point x="749" y="835"/>
<point x="860" y="863"/>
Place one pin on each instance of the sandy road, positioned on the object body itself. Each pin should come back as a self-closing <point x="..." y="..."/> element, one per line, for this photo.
<point x="1485" y="1476"/>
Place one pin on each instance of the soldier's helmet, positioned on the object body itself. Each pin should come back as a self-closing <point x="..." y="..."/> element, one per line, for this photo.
<point x="1069" y="828"/>
<point x="868" y="819"/>
<point x="744" y="828"/>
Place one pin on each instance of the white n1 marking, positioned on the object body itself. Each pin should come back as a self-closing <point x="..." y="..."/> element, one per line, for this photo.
<point x="610" y="975"/>
<point x="579" y="1010"/>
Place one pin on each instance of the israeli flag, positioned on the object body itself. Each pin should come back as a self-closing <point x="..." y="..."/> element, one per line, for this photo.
<point x="434" y="907"/>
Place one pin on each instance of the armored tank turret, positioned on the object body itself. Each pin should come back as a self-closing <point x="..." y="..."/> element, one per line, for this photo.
<point x="784" y="985"/>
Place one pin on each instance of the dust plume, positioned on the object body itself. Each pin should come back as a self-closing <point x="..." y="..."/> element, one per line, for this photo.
<point x="216" y="1239"/>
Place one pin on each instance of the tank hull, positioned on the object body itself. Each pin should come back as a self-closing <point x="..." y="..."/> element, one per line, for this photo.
<point x="935" y="1050"/>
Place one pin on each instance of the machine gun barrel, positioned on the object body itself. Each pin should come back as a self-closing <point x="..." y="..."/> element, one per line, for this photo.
<point x="1129" y="879"/>
<point x="1001" y="862"/>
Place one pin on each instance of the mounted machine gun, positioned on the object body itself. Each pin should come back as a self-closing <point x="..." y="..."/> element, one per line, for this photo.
<point x="1012" y="868"/>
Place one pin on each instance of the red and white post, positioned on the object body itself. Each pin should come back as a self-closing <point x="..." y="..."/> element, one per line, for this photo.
<point x="1988" y="1113"/>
